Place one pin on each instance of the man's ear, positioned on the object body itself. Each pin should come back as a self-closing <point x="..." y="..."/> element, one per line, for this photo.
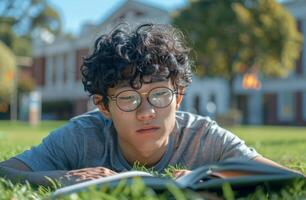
<point x="179" y="97"/>
<point x="102" y="108"/>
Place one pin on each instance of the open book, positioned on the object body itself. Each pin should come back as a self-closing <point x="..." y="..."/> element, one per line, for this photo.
<point x="241" y="174"/>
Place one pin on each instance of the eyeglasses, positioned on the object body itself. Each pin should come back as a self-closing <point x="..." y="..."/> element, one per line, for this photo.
<point x="130" y="100"/>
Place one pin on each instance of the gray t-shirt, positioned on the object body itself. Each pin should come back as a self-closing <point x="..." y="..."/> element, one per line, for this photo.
<point x="90" y="140"/>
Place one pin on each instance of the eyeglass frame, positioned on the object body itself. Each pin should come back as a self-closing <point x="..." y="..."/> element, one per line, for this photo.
<point x="114" y="97"/>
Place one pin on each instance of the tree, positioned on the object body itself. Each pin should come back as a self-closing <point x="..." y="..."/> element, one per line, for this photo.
<point x="28" y="15"/>
<point x="233" y="37"/>
<point x="19" y="19"/>
<point x="20" y="45"/>
<point x="7" y="72"/>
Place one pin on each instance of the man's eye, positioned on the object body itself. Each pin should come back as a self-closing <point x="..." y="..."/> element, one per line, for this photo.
<point x="127" y="97"/>
<point x="158" y="94"/>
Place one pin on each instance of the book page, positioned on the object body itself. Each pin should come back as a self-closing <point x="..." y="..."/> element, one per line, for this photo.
<point x="79" y="186"/>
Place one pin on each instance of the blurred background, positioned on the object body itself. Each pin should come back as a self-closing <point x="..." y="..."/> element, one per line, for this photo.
<point x="250" y="56"/>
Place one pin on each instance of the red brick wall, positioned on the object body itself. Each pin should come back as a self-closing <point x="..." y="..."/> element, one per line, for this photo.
<point x="39" y="67"/>
<point x="80" y="53"/>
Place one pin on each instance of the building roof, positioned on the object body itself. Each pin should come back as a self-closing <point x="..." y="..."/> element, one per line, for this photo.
<point x="131" y="12"/>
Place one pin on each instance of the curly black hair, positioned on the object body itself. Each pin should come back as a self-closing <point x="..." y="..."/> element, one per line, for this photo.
<point x="150" y="52"/>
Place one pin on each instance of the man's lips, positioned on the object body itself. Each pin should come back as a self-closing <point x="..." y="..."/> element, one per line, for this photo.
<point x="148" y="129"/>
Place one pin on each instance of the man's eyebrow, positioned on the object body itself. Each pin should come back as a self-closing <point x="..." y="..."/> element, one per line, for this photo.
<point x="123" y="85"/>
<point x="152" y="79"/>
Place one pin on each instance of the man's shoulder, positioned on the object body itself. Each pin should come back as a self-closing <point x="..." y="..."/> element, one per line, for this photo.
<point x="203" y="125"/>
<point x="84" y="125"/>
<point x="91" y="119"/>
<point x="192" y="120"/>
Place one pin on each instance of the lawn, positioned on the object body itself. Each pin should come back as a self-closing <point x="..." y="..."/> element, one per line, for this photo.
<point x="286" y="145"/>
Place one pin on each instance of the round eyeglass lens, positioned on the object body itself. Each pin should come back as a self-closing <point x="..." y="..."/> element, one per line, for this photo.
<point x="128" y="100"/>
<point x="160" y="97"/>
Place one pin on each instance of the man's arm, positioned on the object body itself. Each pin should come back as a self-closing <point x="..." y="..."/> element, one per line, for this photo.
<point x="17" y="172"/>
<point x="270" y="162"/>
<point x="16" y="164"/>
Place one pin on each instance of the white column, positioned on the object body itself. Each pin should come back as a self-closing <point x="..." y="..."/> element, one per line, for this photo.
<point x="255" y="108"/>
<point x="71" y="62"/>
<point x="49" y="70"/>
<point x="59" y="70"/>
<point x="222" y="96"/>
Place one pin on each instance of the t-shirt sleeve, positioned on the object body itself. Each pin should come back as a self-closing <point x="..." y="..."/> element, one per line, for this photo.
<point x="228" y="145"/>
<point x="61" y="150"/>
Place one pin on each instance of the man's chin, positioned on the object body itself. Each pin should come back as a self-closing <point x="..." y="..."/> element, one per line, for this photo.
<point x="150" y="148"/>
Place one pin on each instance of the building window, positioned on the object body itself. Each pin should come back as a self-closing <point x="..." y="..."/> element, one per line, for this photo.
<point x="286" y="110"/>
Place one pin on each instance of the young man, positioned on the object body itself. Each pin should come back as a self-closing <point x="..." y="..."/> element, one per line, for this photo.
<point x="137" y="79"/>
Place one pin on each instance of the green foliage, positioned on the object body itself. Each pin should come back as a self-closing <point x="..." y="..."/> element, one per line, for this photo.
<point x="270" y="39"/>
<point x="234" y="36"/>
<point x="20" y="19"/>
<point x="140" y="167"/>
<point x="20" y="45"/>
<point x="228" y="192"/>
<point x="28" y="15"/>
<point x="19" y="191"/>
<point x="25" y="83"/>
<point x="167" y="173"/>
<point x="7" y="72"/>
<point x="48" y="19"/>
<point x="7" y="35"/>
<point x="136" y="191"/>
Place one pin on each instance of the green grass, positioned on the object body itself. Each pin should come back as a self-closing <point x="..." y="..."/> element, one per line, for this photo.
<point x="286" y="145"/>
<point x="15" y="137"/>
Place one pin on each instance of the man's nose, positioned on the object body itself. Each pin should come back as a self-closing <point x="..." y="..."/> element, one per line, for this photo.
<point x="146" y="111"/>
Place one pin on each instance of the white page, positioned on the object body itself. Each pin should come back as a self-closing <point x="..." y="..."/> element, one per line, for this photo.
<point x="79" y="186"/>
